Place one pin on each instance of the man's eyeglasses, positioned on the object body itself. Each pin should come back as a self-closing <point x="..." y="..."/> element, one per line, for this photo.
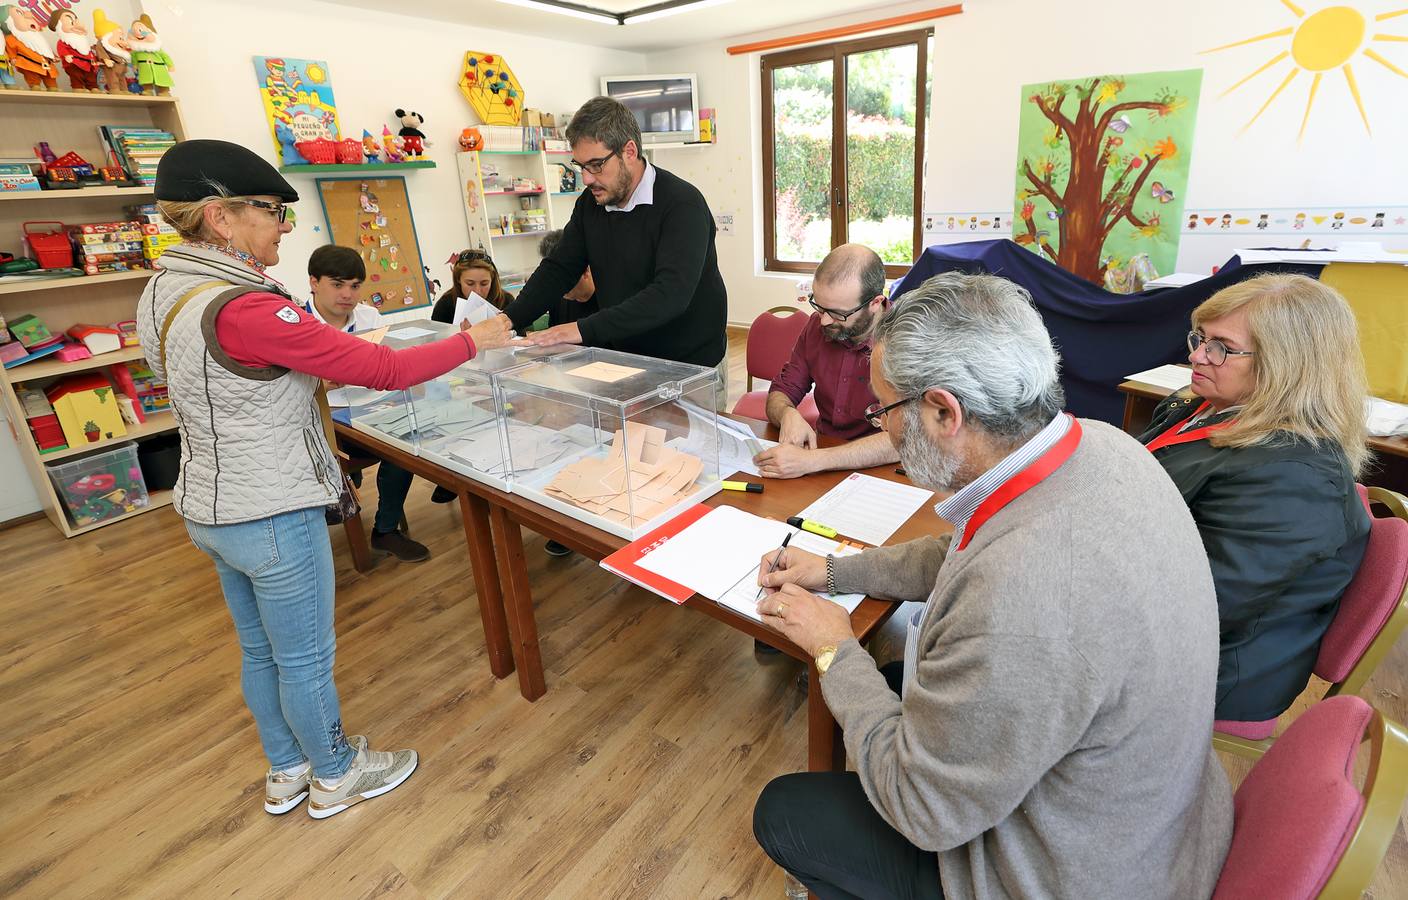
<point x="594" y="166"/>
<point x="280" y="211"/>
<point x="1217" y="351"/>
<point x="875" y="413"/>
<point x="834" y="314"/>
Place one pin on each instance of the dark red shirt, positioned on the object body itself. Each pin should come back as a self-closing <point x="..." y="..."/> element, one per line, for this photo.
<point x="840" y="373"/>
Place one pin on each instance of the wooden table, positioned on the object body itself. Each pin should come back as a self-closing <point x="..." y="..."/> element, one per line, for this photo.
<point x="509" y="513"/>
<point x="1389" y="468"/>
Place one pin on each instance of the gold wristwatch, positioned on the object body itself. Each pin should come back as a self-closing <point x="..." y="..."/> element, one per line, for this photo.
<point x="824" y="657"/>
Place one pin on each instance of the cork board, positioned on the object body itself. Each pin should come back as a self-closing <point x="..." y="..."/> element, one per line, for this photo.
<point x="373" y="216"/>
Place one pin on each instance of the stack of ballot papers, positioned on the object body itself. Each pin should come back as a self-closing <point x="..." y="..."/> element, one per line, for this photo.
<point x="531" y="447"/>
<point x="718" y="556"/>
<point x="638" y="479"/>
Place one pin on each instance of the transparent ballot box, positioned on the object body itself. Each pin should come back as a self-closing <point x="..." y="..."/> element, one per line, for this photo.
<point x="390" y="415"/>
<point x="458" y="419"/>
<point x="619" y="441"/>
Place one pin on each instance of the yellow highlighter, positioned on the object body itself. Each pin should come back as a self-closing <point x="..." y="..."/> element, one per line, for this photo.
<point x="751" y="487"/>
<point x="814" y="527"/>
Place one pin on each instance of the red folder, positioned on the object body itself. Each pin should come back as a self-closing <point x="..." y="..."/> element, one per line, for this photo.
<point x="626" y="561"/>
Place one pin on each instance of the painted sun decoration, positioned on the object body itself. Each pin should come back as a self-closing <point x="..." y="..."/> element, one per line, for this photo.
<point x="1323" y="41"/>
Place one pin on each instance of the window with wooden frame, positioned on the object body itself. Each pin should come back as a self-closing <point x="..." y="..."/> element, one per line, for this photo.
<point x="843" y="149"/>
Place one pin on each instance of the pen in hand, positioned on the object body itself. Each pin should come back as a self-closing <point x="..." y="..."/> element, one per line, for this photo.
<point x="775" y="560"/>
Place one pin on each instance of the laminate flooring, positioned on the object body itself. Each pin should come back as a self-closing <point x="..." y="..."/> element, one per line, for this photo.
<point x="131" y="767"/>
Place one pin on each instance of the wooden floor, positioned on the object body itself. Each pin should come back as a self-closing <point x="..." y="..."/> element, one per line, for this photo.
<point x="131" y="766"/>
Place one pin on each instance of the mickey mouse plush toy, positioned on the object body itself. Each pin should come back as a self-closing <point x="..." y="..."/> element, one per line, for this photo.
<point x="410" y="132"/>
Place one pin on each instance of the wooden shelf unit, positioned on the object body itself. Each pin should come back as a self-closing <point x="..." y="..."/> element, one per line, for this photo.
<point x="69" y="121"/>
<point x="334" y="168"/>
<point x="513" y="256"/>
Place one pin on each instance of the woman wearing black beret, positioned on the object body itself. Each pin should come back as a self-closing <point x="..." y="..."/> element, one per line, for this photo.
<point x="244" y="364"/>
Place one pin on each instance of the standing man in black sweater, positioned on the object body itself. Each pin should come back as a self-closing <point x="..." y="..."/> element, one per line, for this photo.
<point x="648" y="237"/>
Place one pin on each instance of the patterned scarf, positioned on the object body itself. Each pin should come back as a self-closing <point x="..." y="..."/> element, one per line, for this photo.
<point x="247" y="259"/>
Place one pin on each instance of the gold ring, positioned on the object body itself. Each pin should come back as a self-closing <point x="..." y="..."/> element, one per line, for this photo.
<point x="781" y="609"/>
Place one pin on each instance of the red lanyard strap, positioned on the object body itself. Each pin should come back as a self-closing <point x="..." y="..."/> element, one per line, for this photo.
<point x="1175" y="436"/>
<point x="1023" y="481"/>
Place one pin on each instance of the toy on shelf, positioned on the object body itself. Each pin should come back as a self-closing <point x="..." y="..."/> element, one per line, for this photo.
<point x="29" y="49"/>
<point x="106" y="247"/>
<point x="370" y="148"/>
<point x="86" y="408"/>
<point x="98" y="339"/>
<point x="114" y="52"/>
<point x="412" y="138"/>
<point x="288" y="151"/>
<point x="392" y="146"/>
<point x="320" y="152"/>
<point x="74" y="47"/>
<point x="471" y="140"/>
<point x="349" y="151"/>
<point x="153" y="64"/>
<point x="50" y="248"/>
<point x="31" y="332"/>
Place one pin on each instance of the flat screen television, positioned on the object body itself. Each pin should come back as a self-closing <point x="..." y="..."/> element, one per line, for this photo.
<point x="665" y="106"/>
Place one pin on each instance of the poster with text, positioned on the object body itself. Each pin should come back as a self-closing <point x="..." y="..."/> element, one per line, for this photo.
<point x="298" y="101"/>
<point x="1102" y="164"/>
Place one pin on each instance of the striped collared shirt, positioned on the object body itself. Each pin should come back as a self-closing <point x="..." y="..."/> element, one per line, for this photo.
<point x="959" y="508"/>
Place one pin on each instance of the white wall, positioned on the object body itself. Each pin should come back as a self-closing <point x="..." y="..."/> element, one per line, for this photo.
<point x="981" y="58"/>
<point x="378" y="62"/>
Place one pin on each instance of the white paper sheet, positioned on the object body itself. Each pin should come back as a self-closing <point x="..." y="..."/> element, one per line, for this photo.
<point x="1385" y="419"/>
<point x="710" y="556"/>
<point x="408" y="333"/>
<point x="1171" y="377"/>
<point x="474" y="309"/>
<point x="866" y="508"/>
<point x="743" y="596"/>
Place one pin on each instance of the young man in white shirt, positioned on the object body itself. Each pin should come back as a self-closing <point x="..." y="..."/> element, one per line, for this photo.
<point x="335" y="277"/>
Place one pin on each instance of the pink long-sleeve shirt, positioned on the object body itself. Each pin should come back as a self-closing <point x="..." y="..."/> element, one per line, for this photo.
<point x="263" y="329"/>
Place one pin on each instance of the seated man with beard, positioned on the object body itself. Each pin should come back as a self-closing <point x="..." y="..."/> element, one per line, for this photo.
<point x="1047" y="734"/>
<point x="833" y="355"/>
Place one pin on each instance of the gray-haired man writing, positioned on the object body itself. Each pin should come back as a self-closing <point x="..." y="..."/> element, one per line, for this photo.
<point x="1047" y="734"/>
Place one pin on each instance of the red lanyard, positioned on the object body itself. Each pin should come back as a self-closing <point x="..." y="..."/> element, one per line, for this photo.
<point x="1023" y="481"/>
<point x="1173" y="436"/>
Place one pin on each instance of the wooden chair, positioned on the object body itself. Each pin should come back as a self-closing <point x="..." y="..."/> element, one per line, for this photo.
<point x="1373" y="613"/>
<point x="1302" y="829"/>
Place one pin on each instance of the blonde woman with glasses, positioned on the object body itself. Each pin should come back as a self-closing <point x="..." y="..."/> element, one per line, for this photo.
<point x="1265" y="445"/>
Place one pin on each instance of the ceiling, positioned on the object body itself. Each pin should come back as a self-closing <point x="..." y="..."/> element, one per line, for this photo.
<point x="710" y="23"/>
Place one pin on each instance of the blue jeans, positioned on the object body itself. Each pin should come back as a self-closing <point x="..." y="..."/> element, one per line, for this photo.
<point x="277" y="577"/>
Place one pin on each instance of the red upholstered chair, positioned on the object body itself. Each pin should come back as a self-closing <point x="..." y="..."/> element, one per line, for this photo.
<point x="770" y="341"/>
<point x="1373" y="613"/>
<point x="1302" y="829"/>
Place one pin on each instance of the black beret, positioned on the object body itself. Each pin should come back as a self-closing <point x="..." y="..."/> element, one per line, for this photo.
<point x="191" y="169"/>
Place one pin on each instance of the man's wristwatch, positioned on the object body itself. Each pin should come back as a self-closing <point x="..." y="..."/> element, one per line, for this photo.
<point x="824" y="657"/>
<point x="830" y="574"/>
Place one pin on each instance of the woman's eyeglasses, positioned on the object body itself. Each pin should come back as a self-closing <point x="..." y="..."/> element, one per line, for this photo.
<point x="594" y="166"/>
<point x="1217" y="351"/>
<point x="475" y="256"/>
<point x="280" y="210"/>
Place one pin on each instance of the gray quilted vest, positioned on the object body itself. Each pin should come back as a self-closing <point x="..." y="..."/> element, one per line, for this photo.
<point x="252" y="439"/>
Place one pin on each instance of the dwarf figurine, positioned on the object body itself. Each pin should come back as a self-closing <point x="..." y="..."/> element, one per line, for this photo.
<point x="153" y="65"/>
<point x="75" y="50"/>
<point x="114" y="53"/>
<point x="392" y="146"/>
<point x="29" y="49"/>
<point x="370" y="148"/>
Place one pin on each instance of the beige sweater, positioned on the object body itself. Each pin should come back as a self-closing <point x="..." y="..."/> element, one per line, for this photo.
<point x="1056" y="741"/>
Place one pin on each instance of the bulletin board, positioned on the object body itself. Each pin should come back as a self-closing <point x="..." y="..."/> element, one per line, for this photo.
<point x="373" y="217"/>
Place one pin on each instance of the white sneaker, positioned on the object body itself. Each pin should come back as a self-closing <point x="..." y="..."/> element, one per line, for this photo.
<point x="371" y="774"/>
<point x="282" y="792"/>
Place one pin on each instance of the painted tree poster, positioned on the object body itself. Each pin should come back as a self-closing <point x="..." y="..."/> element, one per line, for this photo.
<point x="1102" y="164"/>
<point x="298" y="101"/>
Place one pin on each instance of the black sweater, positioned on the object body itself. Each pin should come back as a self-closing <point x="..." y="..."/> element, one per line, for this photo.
<point x="1285" y="532"/>
<point x="656" y="273"/>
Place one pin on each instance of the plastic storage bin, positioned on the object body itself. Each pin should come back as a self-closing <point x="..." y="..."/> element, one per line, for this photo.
<point x="102" y="486"/>
<point x="619" y="441"/>
<point x="459" y="423"/>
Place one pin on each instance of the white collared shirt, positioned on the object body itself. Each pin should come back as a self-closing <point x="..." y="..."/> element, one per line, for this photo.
<point x="363" y="318"/>
<point x="643" y="195"/>
<point x="959" y="508"/>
